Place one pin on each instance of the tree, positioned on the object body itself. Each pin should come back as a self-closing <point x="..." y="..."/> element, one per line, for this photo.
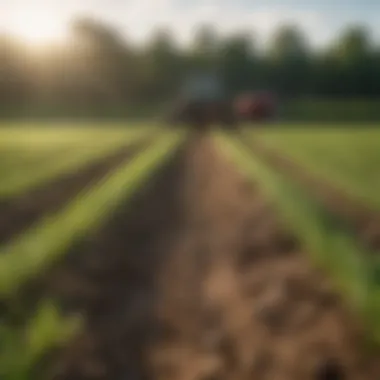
<point x="353" y="45"/>
<point x="98" y="69"/>
<point x="204" y="49"/>
<point x="105" y="63"/>
<point x="354" y="53"/>
<point x="15" y="74"/>
<point x="289" y="57"/>
<point x="163" y="64"/>
<point x="238" y="63"/>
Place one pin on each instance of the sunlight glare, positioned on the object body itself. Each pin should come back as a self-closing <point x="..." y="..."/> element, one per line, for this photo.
<point x="36" y="28"/>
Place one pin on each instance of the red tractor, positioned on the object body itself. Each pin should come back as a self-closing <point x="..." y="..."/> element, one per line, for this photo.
<point x="260" y="106"/>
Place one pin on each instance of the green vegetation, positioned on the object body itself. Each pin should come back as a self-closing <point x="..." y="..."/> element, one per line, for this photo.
<point x="349" y="158"/>
<point x="329" y="244"/>
<point x="31" y="253"/>
<point x="346" y="156"/>
<point x="22" y="347"/>
<point x="32" y="156"/>
<point x="331" y="110"/>
<point x="133" y="79"/>
<point x="34" y="251"/>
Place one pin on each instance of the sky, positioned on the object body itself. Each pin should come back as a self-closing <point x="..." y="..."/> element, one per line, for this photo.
<point x="321" y="19"/>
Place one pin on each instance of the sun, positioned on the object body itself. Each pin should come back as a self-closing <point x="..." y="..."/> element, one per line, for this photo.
<point x="36" y="28"/>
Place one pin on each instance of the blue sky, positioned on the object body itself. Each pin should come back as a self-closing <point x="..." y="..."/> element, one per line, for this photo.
<point x="321" y="19"/>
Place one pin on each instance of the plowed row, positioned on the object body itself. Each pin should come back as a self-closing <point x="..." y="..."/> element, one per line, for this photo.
<point x="360" y="217"/>
<point x="17" y="214"/>
<point x="197" y="278"/>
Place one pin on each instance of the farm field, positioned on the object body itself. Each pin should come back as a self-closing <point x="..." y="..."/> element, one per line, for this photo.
<point x="175" y="255"/>
<point x="347" y="157"/>
<point x="31" y="155"/>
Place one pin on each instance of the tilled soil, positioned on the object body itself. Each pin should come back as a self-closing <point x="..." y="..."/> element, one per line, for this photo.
<point x="19" y="213"/>
<point x="361" y="218"/>
<point x="197" y="279"/>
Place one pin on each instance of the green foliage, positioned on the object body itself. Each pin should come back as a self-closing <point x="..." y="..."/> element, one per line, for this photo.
<point x="349" y="158"/>
<point x="99" y="73"/>
<point x="289" y="44"/>
<point x="32" y="252"/>
<point x="329" y="244"/>
<point x="32" y="156"/>
<point x="21" y="348"/>
<point x="331" y="110"/>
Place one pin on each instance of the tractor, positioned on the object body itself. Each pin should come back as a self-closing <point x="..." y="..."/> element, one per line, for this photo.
<point x="202" y="104"/>
<point x="255" y="107"/>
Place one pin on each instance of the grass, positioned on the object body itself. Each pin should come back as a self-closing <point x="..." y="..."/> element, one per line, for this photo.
<point x="22" y="347"/>
<point x="32" y="253"/>
<point x="30" y="157"/>
<point x="329" y="243"/>
<point x="349" y="158"/>
<point x="331" y="110"/>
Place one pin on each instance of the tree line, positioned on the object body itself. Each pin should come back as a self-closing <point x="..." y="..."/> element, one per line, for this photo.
<point x="99" y="69"/>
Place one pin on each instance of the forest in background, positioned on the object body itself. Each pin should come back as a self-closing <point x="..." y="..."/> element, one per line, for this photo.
<point x="98" y="72"/>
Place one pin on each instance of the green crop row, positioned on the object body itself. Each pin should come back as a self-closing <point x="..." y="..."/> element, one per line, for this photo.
<point x="348" y="158"/>
<point x="30" y="253"/>
<point x="329" y="243"/>
<point x="22" y="179"/>
<point x="39" y="247"/>
<point x="46" y="135"/>
<point x="22" y="348"/>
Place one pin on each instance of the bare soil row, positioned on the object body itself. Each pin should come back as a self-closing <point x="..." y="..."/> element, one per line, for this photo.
<point x="19" y="213"/>
<point x="363" y="220"/>
<point x="197" y="279"/>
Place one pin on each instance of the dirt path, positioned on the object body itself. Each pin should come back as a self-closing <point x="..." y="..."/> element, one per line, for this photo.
<point x="18" y="214"/>
<point x="198" y="280"/>
<point x="364" y="221"/>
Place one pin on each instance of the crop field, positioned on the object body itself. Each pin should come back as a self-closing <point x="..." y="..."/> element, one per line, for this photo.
<point x="143" y="252"/>
<point x="349" y="157"/>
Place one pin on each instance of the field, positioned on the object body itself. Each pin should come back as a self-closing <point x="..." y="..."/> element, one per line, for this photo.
<point x="139" y="252"/>
<point x="324" y="111"/>
<point x="349" y="158"/>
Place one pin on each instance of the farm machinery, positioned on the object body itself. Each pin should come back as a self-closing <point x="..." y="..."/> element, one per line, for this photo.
<point x="255" y="107"/>
<point x="203" y="102"/>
